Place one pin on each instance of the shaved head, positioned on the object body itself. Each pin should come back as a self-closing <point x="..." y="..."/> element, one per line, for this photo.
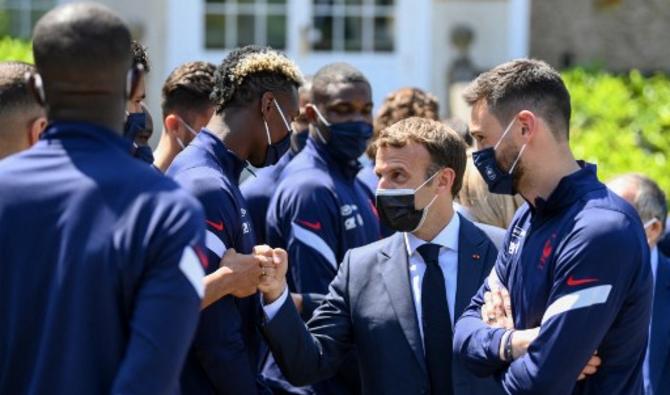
<point x="83" y="38"/>
<point x="21" y="116"/>
<point x="82" y="51"/>
<point x="327" y="78"/>
<point x="14" y="92"/>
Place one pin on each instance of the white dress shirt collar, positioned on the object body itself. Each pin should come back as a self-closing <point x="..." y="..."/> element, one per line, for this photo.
<point x="448" y="237"/>
<point x="654" y="263"/>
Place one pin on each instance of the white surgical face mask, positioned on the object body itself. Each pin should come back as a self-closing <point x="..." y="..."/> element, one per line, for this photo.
<point x="189" y="128"/>
<point x="649" y="223"/>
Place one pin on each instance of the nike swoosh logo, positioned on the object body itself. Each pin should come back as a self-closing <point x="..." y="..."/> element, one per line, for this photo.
<point x="218" y="226"/>
<point x="572" y="282"/>
<point x="311" y="225"/>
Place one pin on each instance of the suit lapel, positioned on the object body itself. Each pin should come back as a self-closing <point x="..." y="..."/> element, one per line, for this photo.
<point x="660" y="324"/>
<point x="471" y="259"/>
<point x="395" y="271"/>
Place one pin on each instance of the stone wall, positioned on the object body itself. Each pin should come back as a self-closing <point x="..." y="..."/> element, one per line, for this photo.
<point x="617" y="34"/>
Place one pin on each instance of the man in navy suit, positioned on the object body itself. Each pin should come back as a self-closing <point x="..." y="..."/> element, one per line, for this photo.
<point x="649" y="201"/>
<point x="395" y="301"/>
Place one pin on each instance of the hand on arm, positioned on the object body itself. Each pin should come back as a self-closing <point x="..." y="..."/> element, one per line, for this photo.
<point x="497" y="313"/>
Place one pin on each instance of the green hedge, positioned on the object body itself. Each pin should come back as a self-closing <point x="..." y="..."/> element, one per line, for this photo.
<point x="621" y="122"/>
<point x="14" y="49"/>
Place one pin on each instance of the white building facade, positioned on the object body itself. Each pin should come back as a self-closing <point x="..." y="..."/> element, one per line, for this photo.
<point x="396" y="43"/>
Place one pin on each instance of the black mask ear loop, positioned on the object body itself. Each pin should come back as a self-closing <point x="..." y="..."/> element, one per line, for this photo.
<point x="247" y="167"/>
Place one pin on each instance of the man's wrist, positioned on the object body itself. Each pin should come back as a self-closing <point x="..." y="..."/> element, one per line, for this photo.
<point x="273" y="295"/>
<point x="508" y="351"/>
<point x="225" y="280"/>
<point x="504" y="349"/>
<point x="298" y="301"/>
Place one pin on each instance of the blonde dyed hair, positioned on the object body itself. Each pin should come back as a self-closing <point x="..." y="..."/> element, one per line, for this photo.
<point x="247" y="72"/>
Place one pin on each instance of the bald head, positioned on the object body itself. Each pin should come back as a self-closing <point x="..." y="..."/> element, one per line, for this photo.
<point x="21" y="117"/>
<point x="82" y="51"/>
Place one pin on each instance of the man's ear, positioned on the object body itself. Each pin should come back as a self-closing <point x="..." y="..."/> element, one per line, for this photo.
<point x="171" y="123"/>
<point x="655" y="231"/>
<point x="36" y="86"/>
<point x="133" y="78"/>
<point x="310" y="113"/>
<point x="446" y="179"/>
<point x="36" y="128"/>
<point x="266" y="104"/>
<point x="529" y="123"/>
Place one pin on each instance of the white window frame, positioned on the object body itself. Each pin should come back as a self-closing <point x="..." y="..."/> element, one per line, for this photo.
<point x="260" y="10"/>
<point x="367" y="10"/>
<point x="25" y="9"/>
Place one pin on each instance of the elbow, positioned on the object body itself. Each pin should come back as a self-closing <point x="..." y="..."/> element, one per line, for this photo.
<point x="298" y="375"/>
<point x="528" y="385"/>
<point x="298" y="380"/>
<point x="476" y="366"/>
<point x="472" y="355"/>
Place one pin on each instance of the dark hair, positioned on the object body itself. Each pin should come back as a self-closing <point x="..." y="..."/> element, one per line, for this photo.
<point x="188" y="88"/>
<point x="15" y="94"/>
<point x="75" y="38"/>
<point x="524" y="84"/>
<point x="140" y="55"/>
<point x="446" y="147"/>
<point x="332" y="74"/>
<point x="248" y="72"/>
<point x="401" y="104"/>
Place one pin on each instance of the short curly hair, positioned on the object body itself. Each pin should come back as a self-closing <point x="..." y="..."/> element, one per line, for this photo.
<point x="402" y="104"/>
<point x="247" y="72"/>
<point x="140" y="55"/>
<point x="188" y="88"/>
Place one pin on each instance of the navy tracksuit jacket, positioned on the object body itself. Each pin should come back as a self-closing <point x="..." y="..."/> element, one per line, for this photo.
<point x="577" y="266"/>
<point x="100" y="268"/>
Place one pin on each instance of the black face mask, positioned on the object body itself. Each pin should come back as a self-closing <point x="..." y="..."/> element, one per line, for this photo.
<point x="397" y="208"/>
<point x="135" y="123"/>
<point x="278" y="149"/>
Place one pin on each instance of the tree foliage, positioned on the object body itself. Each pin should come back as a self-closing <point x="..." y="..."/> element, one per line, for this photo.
<point x="15" y="49"/>
<point x="621" y="122"/>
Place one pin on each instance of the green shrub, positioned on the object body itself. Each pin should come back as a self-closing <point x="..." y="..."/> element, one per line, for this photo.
<point x="621" y="122"/>
<point x="14" y="49"/>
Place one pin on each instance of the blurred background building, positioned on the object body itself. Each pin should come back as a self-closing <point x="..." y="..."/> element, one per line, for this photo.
<point x="430" y="44"/>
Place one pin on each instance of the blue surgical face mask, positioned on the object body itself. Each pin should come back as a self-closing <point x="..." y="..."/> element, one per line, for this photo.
<point x="498" y="180"/>
<point x="135" y="123"/>
<point x="348" y="140"/>
<point x="299" y="140"/>
<point x="278" y="149"/>
<point x="189" y="128"/>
